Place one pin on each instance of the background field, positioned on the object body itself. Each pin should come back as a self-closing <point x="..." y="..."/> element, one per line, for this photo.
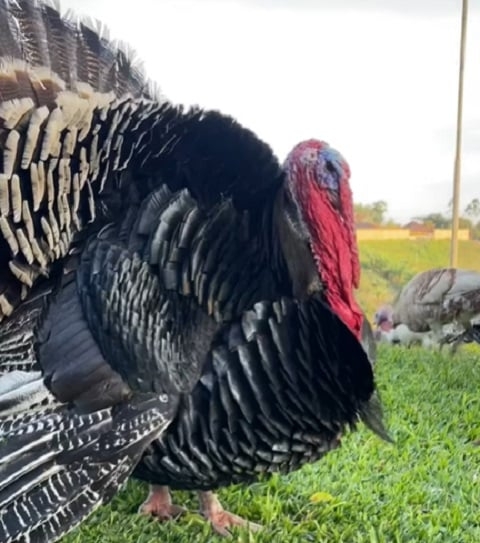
<point x="425" y="488"/>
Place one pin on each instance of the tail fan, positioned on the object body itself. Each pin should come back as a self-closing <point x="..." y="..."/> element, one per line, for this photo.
<point x="58" y="465"/>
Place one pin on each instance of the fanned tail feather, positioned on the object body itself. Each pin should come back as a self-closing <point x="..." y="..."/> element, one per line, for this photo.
<point x="74" y="49"/>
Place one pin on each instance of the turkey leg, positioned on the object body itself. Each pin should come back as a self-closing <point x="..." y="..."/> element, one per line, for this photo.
<point x="159" y="504"/>
<point x="221" y="520"/>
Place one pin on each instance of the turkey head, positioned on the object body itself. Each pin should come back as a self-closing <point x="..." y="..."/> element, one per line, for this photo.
<point x="384" y="318"/>
<point x="318" y="235"/>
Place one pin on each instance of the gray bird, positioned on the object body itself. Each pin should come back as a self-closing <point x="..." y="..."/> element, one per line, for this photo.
<point x="444" y="302"/>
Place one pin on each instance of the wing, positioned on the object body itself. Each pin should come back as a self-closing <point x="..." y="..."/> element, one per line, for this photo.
<point x="419" y="302"/>
<point x="58" y="465"/>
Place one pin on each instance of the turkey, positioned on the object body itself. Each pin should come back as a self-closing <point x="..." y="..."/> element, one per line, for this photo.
<point x="173" y="300"/>
<point x="441" y="304"/>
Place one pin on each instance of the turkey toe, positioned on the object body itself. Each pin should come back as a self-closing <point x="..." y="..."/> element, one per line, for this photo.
<point x="222" y="521"/>
<point x="159" y="504"/>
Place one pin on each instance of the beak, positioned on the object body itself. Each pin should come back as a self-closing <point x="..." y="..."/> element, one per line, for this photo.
<point x="386" y="325"/>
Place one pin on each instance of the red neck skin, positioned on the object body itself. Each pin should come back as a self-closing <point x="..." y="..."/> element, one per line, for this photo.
<point x="334" y="245"/>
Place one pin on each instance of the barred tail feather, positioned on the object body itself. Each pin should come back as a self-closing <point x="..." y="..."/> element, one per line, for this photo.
<point x="58" y="465"/>
<point x="75" y="50"/>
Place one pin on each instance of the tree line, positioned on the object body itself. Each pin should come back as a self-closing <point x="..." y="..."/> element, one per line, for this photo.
<point x="377" y="213"/>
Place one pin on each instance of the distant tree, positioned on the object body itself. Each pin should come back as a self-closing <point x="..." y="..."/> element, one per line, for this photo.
<point x="475" y="231"/>
<point x="390" y="223"/>
<point x="470" y="218"/>
<point x="374" y="212"/>
<point x="463" y="222"/>
<point x="438" y="220"/>
<point x="362" y="213"/>
<point x="379" y="210"/>
<point x="472" y="211"/>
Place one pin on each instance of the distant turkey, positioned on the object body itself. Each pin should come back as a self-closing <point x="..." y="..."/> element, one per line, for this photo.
<point x="442" y="303"/>
<point x="158" y="266"/>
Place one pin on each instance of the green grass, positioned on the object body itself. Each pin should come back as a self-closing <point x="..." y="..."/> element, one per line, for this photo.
<point x="425" y="488"/>
<point x="388" y="264"/>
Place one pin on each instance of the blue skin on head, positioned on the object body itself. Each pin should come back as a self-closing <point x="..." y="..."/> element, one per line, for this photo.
<point x="325" y="163"/>
<point x="384" y="314"/>
<point x="331" y="166"/>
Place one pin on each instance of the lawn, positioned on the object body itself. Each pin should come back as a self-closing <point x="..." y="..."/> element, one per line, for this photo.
<point x="425" y="488"/>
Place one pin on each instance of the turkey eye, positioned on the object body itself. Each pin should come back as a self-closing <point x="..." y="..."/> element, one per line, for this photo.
<point x="330" y="167"/>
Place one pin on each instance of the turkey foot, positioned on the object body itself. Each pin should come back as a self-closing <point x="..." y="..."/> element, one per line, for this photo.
<point x="159" y="504"/>
<point x="220" y="519"/>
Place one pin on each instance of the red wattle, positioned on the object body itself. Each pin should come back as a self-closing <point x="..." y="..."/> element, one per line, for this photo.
<point x="335" y="245"/>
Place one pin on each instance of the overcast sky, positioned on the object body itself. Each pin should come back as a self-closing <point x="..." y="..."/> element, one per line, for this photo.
<point x="377" y="79"/>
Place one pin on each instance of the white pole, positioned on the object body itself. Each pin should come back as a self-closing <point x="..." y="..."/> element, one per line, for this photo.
<point x="458" y="150"/>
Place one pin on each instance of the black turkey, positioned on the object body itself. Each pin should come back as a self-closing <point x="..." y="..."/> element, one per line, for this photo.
<point x="159" y="266"/>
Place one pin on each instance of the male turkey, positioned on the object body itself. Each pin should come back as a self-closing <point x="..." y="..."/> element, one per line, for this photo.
<point x="443" y="302"/>
<point x="159" y="266"/>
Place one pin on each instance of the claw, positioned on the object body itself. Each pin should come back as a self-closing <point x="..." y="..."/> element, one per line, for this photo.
<point x="159" y="504"/>
<point x="222" y="521"/>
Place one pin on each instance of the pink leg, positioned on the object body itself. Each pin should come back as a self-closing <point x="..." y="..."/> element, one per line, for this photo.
<point x="159" y="504"/>
<point x="220" y="519"/>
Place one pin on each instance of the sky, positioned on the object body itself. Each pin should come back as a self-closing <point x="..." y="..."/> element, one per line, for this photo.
<point x="377" y="79"/>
